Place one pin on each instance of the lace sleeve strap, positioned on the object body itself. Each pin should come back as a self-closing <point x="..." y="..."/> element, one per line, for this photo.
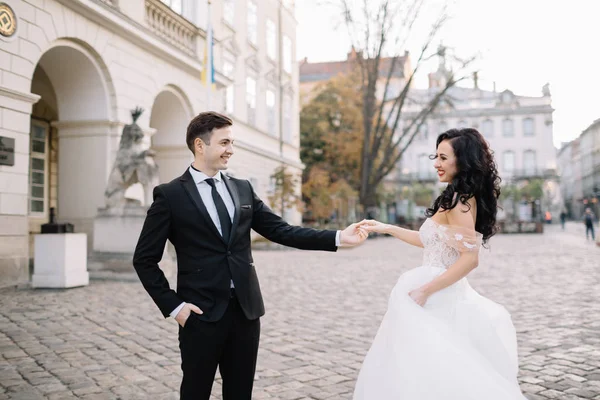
<point x="461" y="239"/>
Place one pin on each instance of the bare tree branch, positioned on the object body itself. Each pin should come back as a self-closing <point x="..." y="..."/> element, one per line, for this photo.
<point x="386" y="25"/>
<point x="401" y="98"/>
<point x="409" y="20"/>
<point x="386" y="168"/>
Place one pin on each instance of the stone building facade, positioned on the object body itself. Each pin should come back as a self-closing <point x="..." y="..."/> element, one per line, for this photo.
<point x="579" y="168"/>
<point x="72" y="70"/>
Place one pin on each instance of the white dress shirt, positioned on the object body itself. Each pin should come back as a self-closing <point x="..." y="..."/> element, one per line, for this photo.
<point x="205" y="191"/>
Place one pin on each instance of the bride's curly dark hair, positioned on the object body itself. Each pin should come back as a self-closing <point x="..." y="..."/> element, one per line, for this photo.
<point x="477" y="177"/>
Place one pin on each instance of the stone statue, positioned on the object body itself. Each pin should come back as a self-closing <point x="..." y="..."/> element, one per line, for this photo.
<point x="134" y="163"/>
<point x="546" y="90"/>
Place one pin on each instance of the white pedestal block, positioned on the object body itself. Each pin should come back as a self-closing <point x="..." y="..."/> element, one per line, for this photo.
<point x="117" y="231"/>
<point x="60" y="260"/>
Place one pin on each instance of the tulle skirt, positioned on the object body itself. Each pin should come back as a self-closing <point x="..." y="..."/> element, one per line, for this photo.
<point x="459" y="346"/>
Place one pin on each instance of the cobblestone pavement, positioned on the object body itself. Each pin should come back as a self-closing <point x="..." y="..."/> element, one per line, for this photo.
<point x="108" y="340"/>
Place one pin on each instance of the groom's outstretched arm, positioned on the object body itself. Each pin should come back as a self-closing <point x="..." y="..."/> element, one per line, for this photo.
<point x="149" y="251"/>
<point x="273" y="227"/>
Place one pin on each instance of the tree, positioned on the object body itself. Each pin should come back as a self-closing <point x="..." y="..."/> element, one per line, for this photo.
<point x="283" y="195"/>
<point x="325" y="198"/>
<point x="533" y="189"/>
<point x="344" y="197"/>
<point x="316" y="191"/>
<point x="514" y="193"/>
<point x="376" y="27"/>
<point x="331" y="130"/>
<point x="330" y="148"/>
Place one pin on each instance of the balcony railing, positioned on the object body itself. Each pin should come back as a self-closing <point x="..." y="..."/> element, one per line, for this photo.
<point x="171" y="26"/>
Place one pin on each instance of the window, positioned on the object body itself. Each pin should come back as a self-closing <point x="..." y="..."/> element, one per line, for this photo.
<point x="228" y="68"/>
<point x="252" y="22"/>
<point x="271" y="111"/>
<point x="508" y="164"/>
<point x="287" y="54"/>
<point x="508" y="128"/>
<point x="229" y="99"/>
<point x="37" y="169"/>
<point x="228" y="65"/>
<point x="175" y="5"/>
<point x="229" y="11"/>
<point x="287" y="119"/>
<point x="251" y="100"/>
<point x="186" y="8"/>
<point x="271" y="40"/>
<point x="487" y="128"/>
<point x="528" y="127"/>
<point x="392" y="91"/>
<point x="529" y="162"/>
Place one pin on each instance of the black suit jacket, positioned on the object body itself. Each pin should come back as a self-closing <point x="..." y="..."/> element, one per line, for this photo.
<point x="206" y="263"/>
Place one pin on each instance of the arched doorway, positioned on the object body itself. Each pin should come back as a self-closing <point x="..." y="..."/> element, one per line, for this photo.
<point x="72" y="136"/>
<point x="171" y="113"/>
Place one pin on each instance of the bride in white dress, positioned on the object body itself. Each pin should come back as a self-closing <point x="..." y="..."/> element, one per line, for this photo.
<point x="440" y="339"/>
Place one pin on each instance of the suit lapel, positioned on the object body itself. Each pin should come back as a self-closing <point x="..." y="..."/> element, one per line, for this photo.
<point x="235" y="196"/>
<point x="190" y="187"/>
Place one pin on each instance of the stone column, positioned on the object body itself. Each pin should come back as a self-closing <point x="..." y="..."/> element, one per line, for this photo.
<point x="86" y="151"/>
<point x="15" y="115"/>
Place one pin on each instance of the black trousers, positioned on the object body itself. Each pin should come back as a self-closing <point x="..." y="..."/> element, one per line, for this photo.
<point x="230" y="343"/>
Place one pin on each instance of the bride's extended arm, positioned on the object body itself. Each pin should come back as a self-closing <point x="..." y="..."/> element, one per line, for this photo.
<point x="406" y="235"/>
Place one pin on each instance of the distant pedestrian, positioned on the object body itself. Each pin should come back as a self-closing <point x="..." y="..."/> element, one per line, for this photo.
<point x="588" y="220"/>
<point x="563" y="218"/>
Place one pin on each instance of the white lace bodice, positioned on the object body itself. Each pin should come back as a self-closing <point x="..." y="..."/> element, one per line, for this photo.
<point x="442" y="243"/>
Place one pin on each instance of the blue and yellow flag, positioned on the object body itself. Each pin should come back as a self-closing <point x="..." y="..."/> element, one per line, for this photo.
<point x="208" y="69"/>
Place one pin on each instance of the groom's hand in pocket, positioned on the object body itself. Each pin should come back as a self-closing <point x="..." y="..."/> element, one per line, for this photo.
<point x="185" y="313"/>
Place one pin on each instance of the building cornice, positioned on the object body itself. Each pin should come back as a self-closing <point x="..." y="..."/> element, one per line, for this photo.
<point x="94" y="123"/>
<point x="487" y="112"/>
<point x="30" y="98"/>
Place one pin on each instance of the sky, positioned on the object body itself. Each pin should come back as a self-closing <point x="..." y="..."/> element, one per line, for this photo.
<point x="523" y="44"/>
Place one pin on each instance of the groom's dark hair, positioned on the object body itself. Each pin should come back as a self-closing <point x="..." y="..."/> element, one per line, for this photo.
<point x="202" y="127"/>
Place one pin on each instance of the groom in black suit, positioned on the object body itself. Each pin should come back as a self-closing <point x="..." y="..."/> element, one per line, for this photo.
<point x="208" y="216"/>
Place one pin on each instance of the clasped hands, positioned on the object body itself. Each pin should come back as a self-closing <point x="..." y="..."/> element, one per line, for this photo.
<point x="358" y="232"/>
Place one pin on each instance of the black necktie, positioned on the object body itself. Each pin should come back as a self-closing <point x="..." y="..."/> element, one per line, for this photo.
<point x="221" y="210"/>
